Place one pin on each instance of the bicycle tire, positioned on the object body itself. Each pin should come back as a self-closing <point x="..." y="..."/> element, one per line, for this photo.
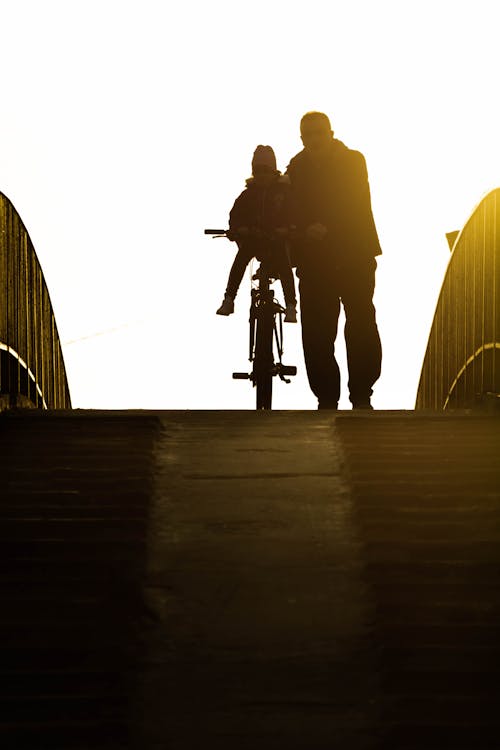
<point x="264" y="361"/>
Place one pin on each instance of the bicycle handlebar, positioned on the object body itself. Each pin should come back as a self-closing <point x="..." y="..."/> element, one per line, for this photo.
<point x="249" y="233"/>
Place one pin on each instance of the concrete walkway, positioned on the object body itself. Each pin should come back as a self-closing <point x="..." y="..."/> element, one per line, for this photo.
<point x="250" y="580"/>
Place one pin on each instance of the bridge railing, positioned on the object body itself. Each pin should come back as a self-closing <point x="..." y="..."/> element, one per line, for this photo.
<point x="32" y="370"/>
<point x="462" y="362"/>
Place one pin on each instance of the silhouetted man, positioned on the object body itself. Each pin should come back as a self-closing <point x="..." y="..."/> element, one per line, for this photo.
<point x="335" y="258"/>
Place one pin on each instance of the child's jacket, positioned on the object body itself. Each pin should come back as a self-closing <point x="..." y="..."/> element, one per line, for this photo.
<point x="263" y="206"/>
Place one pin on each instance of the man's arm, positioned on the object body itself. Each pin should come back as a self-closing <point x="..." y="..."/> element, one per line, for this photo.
<point x="313" y="230"/>
<point x="361" y="200"/>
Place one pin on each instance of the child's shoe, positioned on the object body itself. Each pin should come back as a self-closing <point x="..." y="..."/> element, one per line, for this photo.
<point x="227" y="307"/>
<point x="290" y="313"/>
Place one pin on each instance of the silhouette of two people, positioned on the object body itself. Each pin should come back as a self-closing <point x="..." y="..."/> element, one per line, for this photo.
<point x="321" y="211"/>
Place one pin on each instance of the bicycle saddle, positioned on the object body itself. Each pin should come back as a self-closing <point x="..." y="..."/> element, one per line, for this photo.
<point x="266" y="272"/>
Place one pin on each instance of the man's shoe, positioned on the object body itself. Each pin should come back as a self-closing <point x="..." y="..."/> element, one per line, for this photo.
<point x="227" y="307"/>
<point x="290" y="314"/>
<point x="328" y="405"/>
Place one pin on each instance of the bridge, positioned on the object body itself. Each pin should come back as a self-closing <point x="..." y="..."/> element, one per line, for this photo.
<point x="32" y="371"/>
<point x="462" y="362"/>
<point x="246" y="579"/>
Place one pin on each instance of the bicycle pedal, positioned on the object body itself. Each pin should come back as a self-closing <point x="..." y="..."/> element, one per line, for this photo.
<point x="287" y="370"/>
<point x="241" y="376"/>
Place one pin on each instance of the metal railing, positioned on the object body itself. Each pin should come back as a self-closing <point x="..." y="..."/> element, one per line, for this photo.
<point x="462" y="362"/>
<point x="32" y="370"/>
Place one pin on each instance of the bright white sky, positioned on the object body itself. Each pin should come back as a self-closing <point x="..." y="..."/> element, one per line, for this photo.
<point x="127" y="127"/>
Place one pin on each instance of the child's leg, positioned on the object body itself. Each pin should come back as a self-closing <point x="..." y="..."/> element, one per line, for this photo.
<point x="241" y="261"/>
<point x="286" y="275"/>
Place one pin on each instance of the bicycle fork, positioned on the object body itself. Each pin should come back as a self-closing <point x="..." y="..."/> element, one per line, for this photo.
<point x="266" y="327"/>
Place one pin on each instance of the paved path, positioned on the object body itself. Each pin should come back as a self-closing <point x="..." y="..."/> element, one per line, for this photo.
<point x="250" y="580"/>
<point x="75" y="492"/>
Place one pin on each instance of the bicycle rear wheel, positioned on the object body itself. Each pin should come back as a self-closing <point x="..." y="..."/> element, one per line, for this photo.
<point x="263" y="360"/>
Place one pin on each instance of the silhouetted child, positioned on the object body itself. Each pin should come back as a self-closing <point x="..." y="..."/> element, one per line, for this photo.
<point x="264" y="206"/>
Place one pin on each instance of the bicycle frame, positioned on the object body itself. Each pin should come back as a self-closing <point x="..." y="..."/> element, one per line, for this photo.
<point x="266" y="334"/>
<point x="258" y="295"/>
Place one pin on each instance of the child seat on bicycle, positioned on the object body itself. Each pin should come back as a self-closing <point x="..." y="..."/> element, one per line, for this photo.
<point x="260" y="221"/>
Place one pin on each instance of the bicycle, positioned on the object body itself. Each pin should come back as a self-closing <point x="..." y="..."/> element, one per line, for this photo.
<point x="266" y="330"/>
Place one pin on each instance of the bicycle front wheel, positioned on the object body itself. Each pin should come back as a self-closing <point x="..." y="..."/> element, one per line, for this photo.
<point x="263" y="360"/>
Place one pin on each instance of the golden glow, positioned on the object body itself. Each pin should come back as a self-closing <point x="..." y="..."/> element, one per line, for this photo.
<point x="127" y="127"/>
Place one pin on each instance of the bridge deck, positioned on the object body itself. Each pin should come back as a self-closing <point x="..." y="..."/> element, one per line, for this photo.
<point x="243" y="580"/>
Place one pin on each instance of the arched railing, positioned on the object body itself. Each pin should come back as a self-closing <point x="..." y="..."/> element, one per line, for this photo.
<point x="32" y="368"/>
<point x="462" y="361"/>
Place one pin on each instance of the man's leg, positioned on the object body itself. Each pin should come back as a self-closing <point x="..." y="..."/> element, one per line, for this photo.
<point x="364" y="350"/>
<point x="319" y="310"/>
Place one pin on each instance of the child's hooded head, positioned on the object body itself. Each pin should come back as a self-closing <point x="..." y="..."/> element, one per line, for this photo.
<point x="264" y="163"/>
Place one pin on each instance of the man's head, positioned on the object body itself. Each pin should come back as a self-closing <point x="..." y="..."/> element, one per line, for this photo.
<point x="316" y="132"/>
